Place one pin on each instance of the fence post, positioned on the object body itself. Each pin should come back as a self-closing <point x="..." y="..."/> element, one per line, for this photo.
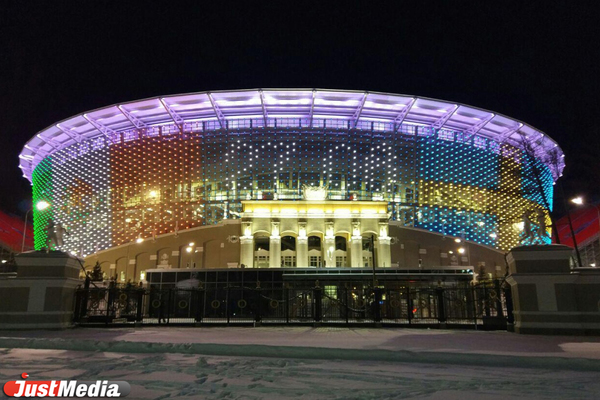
<point x="440" y="305"/>
<point x="140" y="306"/>
<point x="347" y="304"/>
<point x="83" y="302"/>
<point x="109" y="303"/>
<point x="227" y="303"/>
<point x="169" y="305"/>
<point x="499" y="310"/>
<point x="486" y="301"/>
<point x="409" y="309"/>
<point x="377" y="306"/>
<point x="317" y="302"/>
<point x="199" y="304"/>
<point x="510" y="318"/>
<point x="475" y="300"/>
<point x="258" y="318"/>
<point x="286" y="297"/>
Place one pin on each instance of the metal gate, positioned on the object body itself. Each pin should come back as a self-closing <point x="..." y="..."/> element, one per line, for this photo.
<point x="485" y="305"/>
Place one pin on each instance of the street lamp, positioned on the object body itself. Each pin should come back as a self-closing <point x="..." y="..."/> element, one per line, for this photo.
<point x="580" y="201"/>
<point x="40" y="206"/>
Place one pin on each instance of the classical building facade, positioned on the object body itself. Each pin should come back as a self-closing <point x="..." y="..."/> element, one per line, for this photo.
<point x="315" y="233"/>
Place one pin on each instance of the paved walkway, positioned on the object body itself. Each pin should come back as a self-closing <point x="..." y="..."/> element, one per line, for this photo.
<point x="412" y="340"/>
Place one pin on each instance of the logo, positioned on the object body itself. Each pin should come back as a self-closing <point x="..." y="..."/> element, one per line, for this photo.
<point x="23" y="388"/>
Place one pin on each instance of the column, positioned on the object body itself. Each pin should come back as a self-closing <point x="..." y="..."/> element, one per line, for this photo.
<point x="247" y="246"/>
<point x="302" y="246"/>
<point x="275" y="246"/>
<point x="356" y="246"/>
<point x="384" y="258"/>
<point x="328" y="246"/>
<point x="384" y="253"/>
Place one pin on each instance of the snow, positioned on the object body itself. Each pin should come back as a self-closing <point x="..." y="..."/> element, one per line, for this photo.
<point x="310" y="363"/>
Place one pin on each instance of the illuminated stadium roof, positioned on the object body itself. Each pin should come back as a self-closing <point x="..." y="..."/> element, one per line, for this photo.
<point x="357" y="110"/>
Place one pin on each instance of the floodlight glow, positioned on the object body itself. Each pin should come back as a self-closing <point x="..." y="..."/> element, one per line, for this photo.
<point x="577" y="200"/>
<point x="139" y="240"/>
<point x="42" y="205"/>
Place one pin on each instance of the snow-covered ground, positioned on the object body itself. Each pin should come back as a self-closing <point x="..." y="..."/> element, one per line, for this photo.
<point x="310" y="363"/>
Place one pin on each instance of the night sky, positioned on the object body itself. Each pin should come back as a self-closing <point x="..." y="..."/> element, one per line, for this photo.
<point x="536" y="61"/>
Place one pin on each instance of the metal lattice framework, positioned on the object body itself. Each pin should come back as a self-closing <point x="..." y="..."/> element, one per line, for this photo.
<point x="355" y="107"/>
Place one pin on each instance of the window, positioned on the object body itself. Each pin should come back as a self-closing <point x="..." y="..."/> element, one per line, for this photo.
<point x="314" y="262"/>
<point x="367" y="259"/>
<point x="330" y="291"/>
<point x="288" y="261"/>
<point x="261" y="261"/>
<point x="340" y="261"/>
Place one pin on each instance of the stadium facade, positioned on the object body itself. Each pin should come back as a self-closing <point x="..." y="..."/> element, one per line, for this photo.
<point x="163" y="166"/>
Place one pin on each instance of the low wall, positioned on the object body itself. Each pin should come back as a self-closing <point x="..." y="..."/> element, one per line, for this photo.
<point x="42" y="294"/>
<point x="549" y="297"/>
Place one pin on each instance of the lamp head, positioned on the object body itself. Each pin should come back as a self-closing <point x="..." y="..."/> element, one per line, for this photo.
<point x="577" y="200"/>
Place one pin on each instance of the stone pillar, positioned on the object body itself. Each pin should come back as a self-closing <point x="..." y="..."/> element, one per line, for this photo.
<point x="43" y="293"/>
<point x="247" y="251"/>
<point x="275" y="246"/>
<point x="356" y="246"/>
<point x="550" y="298"/>
<point x="302" y="252"/>
<point x="384" y="254"/>
<point x="384" y="258"/>
<point x="247" y="245"/>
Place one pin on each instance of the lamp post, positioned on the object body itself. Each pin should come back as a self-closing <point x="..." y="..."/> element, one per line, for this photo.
<point x="562" y="192"/>
<point x="40" y="205"/>
<point x="579" y="201"/>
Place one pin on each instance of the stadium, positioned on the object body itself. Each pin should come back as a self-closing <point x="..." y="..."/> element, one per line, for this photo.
<point x="292" y="178"/>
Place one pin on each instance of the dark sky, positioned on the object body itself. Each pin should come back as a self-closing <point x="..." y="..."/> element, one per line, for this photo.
<point x="537" y="61"/>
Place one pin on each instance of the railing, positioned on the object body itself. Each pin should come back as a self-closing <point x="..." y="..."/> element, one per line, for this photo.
<point x="485" y="305"/>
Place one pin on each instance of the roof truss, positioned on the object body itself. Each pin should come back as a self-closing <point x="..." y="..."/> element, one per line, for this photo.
<point x="444" y="118"/>
<point x="312" y="107"/>
<point x="70" y="133"/>
<point x="264" y="109"/>
<point x="174" y="116"/>
<point x="106" y="131"/>
<point x="400" y="118"/>
<point x="507" y="133"/>
<point x="132" y="118"/>
<point x="469" y="133"/>
<point x="218" y="112"/>
<point x="358" y="111"/>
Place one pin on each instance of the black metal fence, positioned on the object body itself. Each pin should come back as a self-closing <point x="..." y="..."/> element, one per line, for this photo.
<point x="485" y="305"/>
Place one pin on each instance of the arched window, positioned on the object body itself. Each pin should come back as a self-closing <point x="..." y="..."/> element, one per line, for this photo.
<point x="340" y="254"/>
<point x="288" y="251"/>
<point x="340" y="243"/>
<point x="261" y="243"/>
<point x="261" y="252"/>
<point x="288" y="243"/>
<point x="315" y="258"/>
<point x="314" y="243"/>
